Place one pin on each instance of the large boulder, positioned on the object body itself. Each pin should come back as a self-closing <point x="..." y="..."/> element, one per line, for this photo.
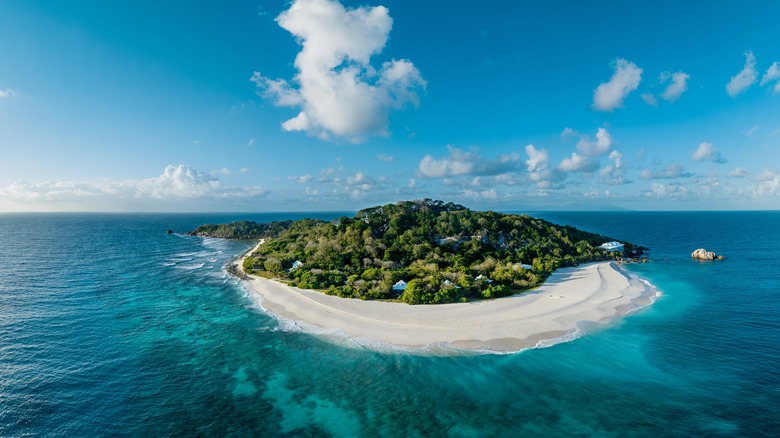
<point x="703" y="254"/>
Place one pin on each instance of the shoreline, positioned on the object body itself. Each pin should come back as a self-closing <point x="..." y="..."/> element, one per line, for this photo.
<point x="554" y="312"/>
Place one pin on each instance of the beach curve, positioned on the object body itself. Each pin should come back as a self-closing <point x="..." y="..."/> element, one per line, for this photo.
<point x="594" y="292"/>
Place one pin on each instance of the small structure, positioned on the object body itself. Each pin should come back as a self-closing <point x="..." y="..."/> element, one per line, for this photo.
<point x="612" y="246"/>
<point x="399" y="286"/>
<point x="450" y="284"/>
<point x="526" y="266"/>
<point x="482" y="277"/>
<point x="297" y="264"/>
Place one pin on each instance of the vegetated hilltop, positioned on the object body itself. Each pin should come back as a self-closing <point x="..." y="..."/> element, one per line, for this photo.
<point x="242" y="230"/>
<point x="445" y="252"/>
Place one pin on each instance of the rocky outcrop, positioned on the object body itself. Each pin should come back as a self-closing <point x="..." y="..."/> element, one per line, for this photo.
<point x="703" y="254"/>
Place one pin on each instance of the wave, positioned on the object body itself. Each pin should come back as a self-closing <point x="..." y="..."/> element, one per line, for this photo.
<point x="191" y="267"/>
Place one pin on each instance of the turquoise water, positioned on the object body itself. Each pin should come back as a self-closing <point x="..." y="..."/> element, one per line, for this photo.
<point x="108" y="326"/>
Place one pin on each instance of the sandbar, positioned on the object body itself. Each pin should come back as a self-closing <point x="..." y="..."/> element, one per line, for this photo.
<point x="594" y="292"/>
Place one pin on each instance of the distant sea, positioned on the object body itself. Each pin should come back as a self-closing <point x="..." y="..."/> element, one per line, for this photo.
<point x="110" y="327"/>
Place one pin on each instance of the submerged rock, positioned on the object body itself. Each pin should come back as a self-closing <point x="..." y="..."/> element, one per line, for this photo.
<point x="703" y="254"/>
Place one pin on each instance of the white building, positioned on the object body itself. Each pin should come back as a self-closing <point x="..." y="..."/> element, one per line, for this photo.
<point x="400" y="286"/>
<point x="297" y="264"/>
<point x="482" y="277"/>
<point x="612" y="246"/>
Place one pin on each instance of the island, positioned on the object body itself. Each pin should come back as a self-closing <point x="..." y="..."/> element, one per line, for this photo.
<point x="358" y="276"/>
<point x="419" y="252"/>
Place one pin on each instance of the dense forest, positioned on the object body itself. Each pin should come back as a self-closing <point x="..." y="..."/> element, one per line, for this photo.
<point x="444" y="252"/>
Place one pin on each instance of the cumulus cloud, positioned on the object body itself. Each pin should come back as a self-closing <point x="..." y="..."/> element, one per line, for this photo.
<point x="538" y="166"/>
<point x="359" y="185"/>
<point x="568" y="132"/>
<point x="677" y="87"/>
<point x="614" y="173"/>
<point x="175" y="183"/>
<point x="481" y="195"/>
<point x="707" y="152"/>
<point x="600" y="146"/>
<point x="386" y="158"/>
<point x="223" y="171"/>
<point x="670" y="191"/>
<point x="578" y="163"/>
<point x="745" y="78"/>
<point x="303" y="179"/>
<point x="338" y="91"/>
<point x="670" y="172"/>
<point x="772" y="75"/>
<point x="649" y="99"/>
<point x="7" y="93"/>
<point x="739" y="172"/>
<point x="460" y="162"/>
<point x="768" y="184"/>
<point x="610" y="95"/>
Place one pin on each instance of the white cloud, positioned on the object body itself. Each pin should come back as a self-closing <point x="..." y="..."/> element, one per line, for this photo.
<point x="568" y="132"/>
<point x="670" y="172"/>
<point x="481" y="195"/>
<point x="7" y="93"/>
<point x="745" y="78"/>
<point x="461" y="162"/>
<point x="337" y="90"/>
<point x="538" y="166"/>
<point x="707" y="152"/>
<point x="768" y="184"/>
<point x="251" y="142"/>
<point x="386" y="158"/>
<point x="359" y="185"/>
<point x="610" y="95"/>
<point x="614" y="173"/>
<point x="751" y="131"/>
<point x="303" y="179"/>
<point x="649" y="99"/>
<point x="175" y="183"/>
<point x="678" y="86"/>
<point x="223" y="171"/>
<point x="670" y="191"/>
<point x="245" y="170"/>
<point x="739" y="172"/>
<point x="601" y="146"/>
<point x="772" y="75"/>
<point x="578" y="163"/>
<point x="411" y="184"/>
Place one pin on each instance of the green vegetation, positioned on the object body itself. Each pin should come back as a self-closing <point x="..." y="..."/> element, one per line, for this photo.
<point x="444" y="252"/>
<point x="242" y="230"/>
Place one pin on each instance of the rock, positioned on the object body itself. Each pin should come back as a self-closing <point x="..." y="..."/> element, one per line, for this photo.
<point x="168" y="231"/>
<point x="703" y="254"/>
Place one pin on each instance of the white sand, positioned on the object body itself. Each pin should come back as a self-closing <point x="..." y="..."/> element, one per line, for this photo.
<point x="594" y="292"/>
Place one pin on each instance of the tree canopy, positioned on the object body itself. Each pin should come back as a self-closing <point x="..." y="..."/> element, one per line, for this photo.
<point x="445" y="252"/>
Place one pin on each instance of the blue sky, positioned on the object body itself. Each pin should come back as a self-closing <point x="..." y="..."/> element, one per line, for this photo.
<point x="321" y="105"/>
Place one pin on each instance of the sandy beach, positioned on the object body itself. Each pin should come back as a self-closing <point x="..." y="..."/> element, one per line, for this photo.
<point x="594" y="292"/>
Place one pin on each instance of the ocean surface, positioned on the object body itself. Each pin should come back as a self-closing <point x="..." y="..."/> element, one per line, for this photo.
<point x="110" y="327"/>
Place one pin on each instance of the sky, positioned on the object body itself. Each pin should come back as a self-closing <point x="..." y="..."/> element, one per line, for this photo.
<point x="321" y="105"/>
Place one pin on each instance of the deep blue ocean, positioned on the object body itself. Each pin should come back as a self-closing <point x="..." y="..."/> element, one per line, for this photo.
<point x="110" y="327"/>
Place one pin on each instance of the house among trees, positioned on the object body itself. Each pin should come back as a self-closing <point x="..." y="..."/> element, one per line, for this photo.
<point x="399" y="286"/>
<point x="297" y="264"/>
<point x="482" y="277"/>
<point x="612" y="246"/>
